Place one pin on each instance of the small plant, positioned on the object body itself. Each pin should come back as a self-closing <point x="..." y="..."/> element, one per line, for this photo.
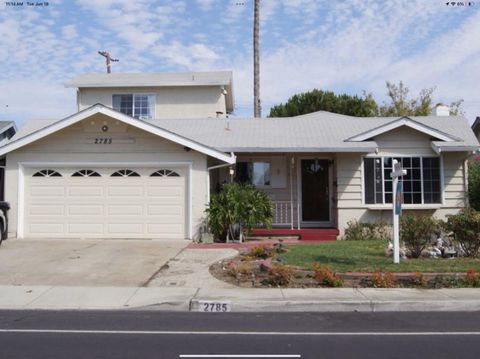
<point x="465" y="230"/>
<point x="357" y="231"/>
<point x="260" y="252"/>
<point x="417" y="232"/>
<point x="280" y="275"/>
<point x="382" y="280"/>
<point x="419" y="280"/>
<point x="324" y="275"/>
<point x="471" y="279"/>
<point x="240" y="270"/>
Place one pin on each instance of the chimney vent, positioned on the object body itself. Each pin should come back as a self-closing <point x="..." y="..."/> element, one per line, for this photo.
<point x="441" y="110"/>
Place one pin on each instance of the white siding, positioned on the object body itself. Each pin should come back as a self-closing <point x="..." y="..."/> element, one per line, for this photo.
<point x="171" y="102"/>
<point x="130" y="145"/>
<point x="399" y="142"/>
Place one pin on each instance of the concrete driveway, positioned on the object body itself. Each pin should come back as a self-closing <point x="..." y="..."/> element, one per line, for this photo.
<point x="67" y="262"/>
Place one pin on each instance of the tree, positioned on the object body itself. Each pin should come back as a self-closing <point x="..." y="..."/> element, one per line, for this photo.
<point x="401" y="105"/>
<point x="319" y="100"/>
<point x="474" y="184"/>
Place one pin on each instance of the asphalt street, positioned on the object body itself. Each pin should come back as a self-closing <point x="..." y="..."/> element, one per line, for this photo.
<point x="127" y="334"/>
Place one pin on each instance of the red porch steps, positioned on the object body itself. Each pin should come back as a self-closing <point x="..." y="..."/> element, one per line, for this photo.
<point x="305" y="234"/>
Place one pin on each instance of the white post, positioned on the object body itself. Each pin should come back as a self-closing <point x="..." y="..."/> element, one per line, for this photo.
<point x="396" y="234"/>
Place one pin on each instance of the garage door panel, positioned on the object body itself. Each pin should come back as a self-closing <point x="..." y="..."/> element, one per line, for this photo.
<point x="125" y="228"/>
<point x="46" y="228"/>
<point x="163" y="191"/>
<point x="86" y="209"/>
<point x="124" y="210"/>
<point x="47" y="191"/>
<point x="106" y="207"/>
<point x="85" y="228"/>
<point x="46" y="210"/>
<point x="164" y="209"/>
<point x="85" y="191"/>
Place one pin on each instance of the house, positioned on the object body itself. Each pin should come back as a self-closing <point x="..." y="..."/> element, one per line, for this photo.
<point x="136" y="162"/>
<point x="7" y="130"/>
<point x="476" y="130"/>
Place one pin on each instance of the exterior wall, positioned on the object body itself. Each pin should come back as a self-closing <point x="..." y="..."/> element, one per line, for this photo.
<point x="284" y="179"/>
<point x="171" y="102"/>
<point x="402" y="141"/>
<point x="76" y="144"/>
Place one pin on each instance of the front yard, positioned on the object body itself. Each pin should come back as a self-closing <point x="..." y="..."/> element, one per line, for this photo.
<point x="369" y="256"/>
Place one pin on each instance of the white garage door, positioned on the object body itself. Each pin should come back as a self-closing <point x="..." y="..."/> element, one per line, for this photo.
<point x="105" y="203"/>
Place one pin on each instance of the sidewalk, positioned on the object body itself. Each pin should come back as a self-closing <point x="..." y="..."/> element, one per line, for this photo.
<point x="241" y="299"/>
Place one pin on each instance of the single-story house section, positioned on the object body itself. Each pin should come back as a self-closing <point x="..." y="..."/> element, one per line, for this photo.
<point x="126" y="172"/>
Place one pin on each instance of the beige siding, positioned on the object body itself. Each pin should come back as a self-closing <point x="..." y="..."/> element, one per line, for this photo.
<point x="76" y="145"/>
<point x="399" y="142"/>
<point x="171" y="102"/>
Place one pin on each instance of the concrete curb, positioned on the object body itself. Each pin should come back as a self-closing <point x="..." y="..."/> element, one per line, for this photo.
<point x="240" y="299"/>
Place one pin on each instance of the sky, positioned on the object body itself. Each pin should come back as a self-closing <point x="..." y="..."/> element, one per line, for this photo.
<point x="348" y="46"/>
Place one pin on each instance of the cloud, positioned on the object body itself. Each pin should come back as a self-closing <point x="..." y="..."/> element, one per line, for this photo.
<point x="69" y="32"/>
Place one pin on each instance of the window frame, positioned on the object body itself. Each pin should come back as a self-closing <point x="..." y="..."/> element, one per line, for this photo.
<point x="422" y="205"/>
<point x="251" y="163"/>
<point x="133" y="94"/>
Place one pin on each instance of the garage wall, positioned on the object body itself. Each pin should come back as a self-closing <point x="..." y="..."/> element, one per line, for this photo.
<point x="76" y="144"/>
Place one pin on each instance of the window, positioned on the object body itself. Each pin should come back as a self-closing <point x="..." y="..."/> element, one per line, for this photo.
<point x="125" y="173"/>
<point x="47" y="173"/>
<point x="141" y="106"/>
<point x="165" y="173"/>
<point x="421" y="185"/>
<point x="256" y="173"/>
<point x="86" y="173"/>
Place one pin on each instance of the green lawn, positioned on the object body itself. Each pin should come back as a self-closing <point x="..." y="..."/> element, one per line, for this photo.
<point x="368" y="256"/>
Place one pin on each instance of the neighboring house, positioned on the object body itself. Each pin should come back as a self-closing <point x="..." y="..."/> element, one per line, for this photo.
<point x="101" y="173"/>
<point x="7" y="130"/>
<point x="476" y="130"/>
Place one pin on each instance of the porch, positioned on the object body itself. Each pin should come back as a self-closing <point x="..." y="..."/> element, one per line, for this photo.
<point x="301" y="186"/>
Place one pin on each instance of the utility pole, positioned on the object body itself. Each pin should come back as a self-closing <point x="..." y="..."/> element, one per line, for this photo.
<point x="257" y="107"/>
<point x="108" y="59"/>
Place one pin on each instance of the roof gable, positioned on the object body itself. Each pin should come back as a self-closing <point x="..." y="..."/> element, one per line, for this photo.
<point x="100" y="109"/>
<point x="403" y="121"/>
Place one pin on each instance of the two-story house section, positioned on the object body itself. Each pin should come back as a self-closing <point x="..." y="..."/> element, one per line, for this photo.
<point x="150" y="96"/>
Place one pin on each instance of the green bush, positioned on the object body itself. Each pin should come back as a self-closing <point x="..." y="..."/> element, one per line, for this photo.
<point x="417" y="232"/>
<point x="465" y="230"/>
<point x="236" y="210"/>
<point x="357" y="231"/>
<point x="474" y="184"/>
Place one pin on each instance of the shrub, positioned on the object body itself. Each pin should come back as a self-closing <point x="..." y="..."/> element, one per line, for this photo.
<point x="382" y="280"/>
<point x="280" y="275"/>
<point x="357" y="231"/>
<point x="465" y="230"/>
<point x="240" y="270"/>
<point x="417" y="232"/>
<point x="325" y="276"/>
<point x="260" y="252"/>
<point x="472" y="279"/>
<point x="474" y="184"/>
<point x="236" y="210"/>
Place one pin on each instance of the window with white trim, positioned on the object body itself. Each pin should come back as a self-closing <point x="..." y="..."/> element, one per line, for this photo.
<point x="47" y="173"/>
<point x="86" y="173"/>
<point x="256" y="173"/>
<point x="165" y="173"/>
<point x="421" y="185"/>
<point x="125" y="173"/>
<point x="141" y="106"/>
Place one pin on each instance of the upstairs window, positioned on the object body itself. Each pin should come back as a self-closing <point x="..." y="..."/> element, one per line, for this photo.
<point x="421" y="185"/>
<point x="256" y="173"/>
<point x="141" y="106"/>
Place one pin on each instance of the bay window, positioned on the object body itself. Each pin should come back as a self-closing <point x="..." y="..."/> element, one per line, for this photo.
<point x="421" y="184"/>
<point x="141" y="106"/>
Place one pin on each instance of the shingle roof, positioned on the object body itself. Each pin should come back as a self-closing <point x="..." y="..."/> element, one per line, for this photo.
<point x="318" y="131"/>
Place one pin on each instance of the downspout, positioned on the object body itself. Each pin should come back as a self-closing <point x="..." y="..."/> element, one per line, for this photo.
<point x="465" y="180"/>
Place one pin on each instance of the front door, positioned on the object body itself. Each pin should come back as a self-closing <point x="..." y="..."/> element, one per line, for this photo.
<point x="315" y="191"/>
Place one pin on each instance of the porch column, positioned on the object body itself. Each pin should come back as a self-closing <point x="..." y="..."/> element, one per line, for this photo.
<point x="292" y="166"/>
